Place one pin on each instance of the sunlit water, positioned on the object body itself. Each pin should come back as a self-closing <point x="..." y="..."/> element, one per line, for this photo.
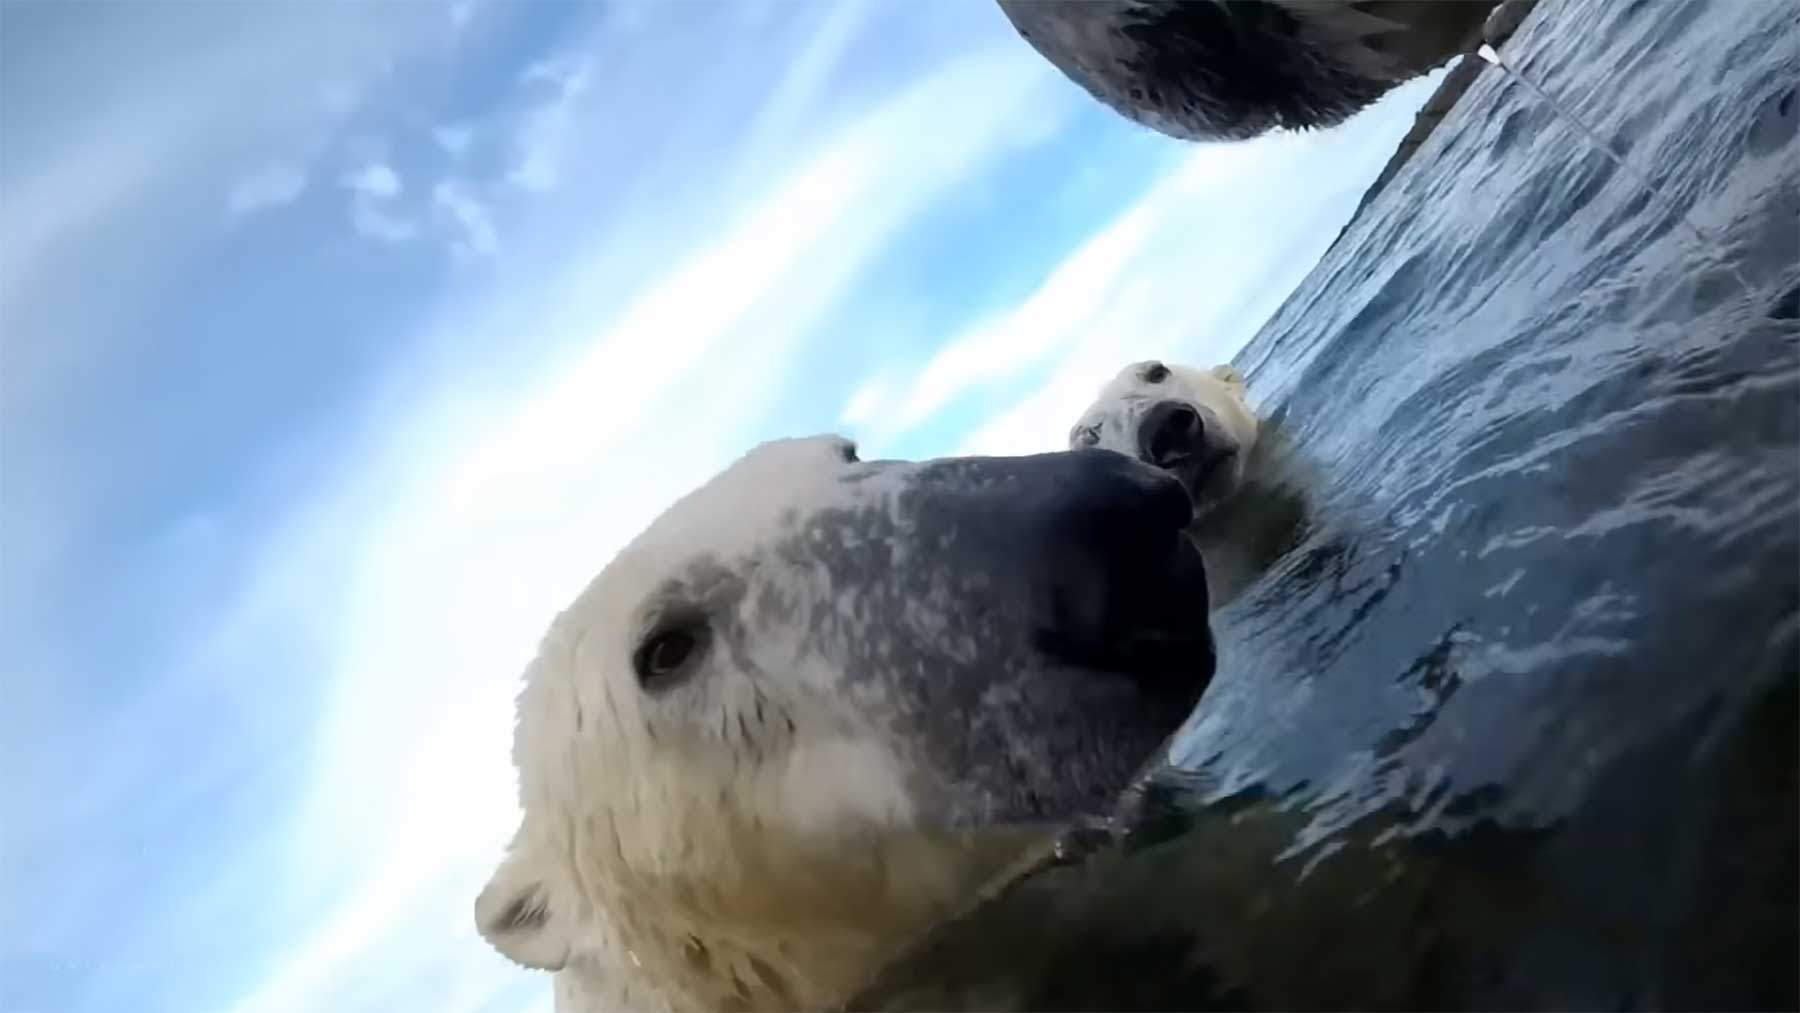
<point x="1515" y="724"/>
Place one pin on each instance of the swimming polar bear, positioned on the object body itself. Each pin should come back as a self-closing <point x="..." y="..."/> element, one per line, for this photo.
<point x="820" y="704"/>
<point x="1231" y="69"/>
<point x="1249" y="508"/>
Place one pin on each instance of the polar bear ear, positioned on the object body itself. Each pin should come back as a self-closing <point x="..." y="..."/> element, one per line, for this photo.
<point x="1228" y="373"/>
<point x="520" y="914"/>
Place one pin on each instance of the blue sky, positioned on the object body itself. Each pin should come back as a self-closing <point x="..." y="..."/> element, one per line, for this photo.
<point x="341" y="345"/>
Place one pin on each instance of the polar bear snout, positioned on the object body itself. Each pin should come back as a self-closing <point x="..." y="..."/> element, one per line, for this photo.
<point x="1083" y="552"/>
<point x="1113" y="497"/>
<point x="1170" y="434"/>
<point x="1128" y="589"/>
<point x="1059" y="620"/>
<point x="1193" y="445"/>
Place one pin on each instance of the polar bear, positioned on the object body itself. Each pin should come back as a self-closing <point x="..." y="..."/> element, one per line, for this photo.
<point x="1249" y="505"/>
<point x="821" y="704"/>
<point x="1210" y="70"/>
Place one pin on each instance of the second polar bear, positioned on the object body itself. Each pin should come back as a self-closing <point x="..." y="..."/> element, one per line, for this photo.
<point x="1198" y="425"/>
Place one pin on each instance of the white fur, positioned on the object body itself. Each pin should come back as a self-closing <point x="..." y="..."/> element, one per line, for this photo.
<point x="1219" y="394"/>
<point x="743" y="844"/>
<point x="1247" y="513"/>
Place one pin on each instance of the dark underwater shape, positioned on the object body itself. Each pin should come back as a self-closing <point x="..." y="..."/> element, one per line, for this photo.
<point x="1516" y="725"/>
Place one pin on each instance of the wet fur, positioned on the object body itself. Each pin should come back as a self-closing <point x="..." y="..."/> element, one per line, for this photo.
<point x="1212" y="70"/>
<point x="1270" y="513"/>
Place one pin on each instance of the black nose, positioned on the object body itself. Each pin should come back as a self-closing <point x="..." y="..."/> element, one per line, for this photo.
<point x="1085" y="549"/>
<point x="1091" y="515"/>
<point x="1170" y="432"/>
<point x="1113" y="499"/>
<point x="1128" y="590"/>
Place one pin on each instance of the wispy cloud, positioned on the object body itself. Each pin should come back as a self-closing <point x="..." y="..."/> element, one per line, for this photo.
<point x="1253" y="216"/>
<point x="373" y="189"/>
<point x="339" y="98"/>
<point x="110" y="153"/>
<point x="270" y="187"/>
<point x="460" y="14"/>
<point x="372" y="221"/>
<point x="544" y="133"/>
<point x="866" y="402"/>
<point x="469" y="217"/>
<point x="453" y="138"/>
<point x="1254" y="213"/>
<point x="1059" y="311"/>
<point x="376" y="180"/>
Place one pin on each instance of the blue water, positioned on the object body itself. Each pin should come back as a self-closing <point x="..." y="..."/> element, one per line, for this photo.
<point x="1515" y="724"/>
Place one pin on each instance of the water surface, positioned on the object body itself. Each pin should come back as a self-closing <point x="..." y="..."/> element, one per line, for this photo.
<point x="1515" y="724"/>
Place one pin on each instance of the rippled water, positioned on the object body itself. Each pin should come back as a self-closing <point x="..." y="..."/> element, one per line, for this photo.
<point x="1516" y="724"/>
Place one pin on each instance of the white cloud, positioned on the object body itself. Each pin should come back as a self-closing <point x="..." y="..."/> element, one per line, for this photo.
<point x="1050" y="318"/>
<point x="339" y="98"/>
<point x="474" y="224"/>
<point x="453" y="138"/>
<point x="377" y="180"/>
<point x="270" y="187"/>
<point x="809" y="75"/>
<point x="46" y="209"/>
<point x="460" y="14"/>
<point x="867" y="401"/>
<point x="372" y="221"/>
<point x="1065" y="309"/>
<point x="373" y="189"/>
<point x="1127" y="330"/>
<point x="544" y="133"/>
<point x="552" y="71"/>
<point x="118" y="167"/>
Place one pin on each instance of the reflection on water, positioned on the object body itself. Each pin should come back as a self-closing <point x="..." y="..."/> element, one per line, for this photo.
<point x="1515" y="724"/>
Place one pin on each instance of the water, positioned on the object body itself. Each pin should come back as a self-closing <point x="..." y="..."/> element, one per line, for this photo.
<point x="1516" y="724"/>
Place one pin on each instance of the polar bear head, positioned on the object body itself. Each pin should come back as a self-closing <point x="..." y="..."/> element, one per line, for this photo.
<point x="1194" y="423"/>
<point x="820" y="702"/>
<point x="1218" y="71"/>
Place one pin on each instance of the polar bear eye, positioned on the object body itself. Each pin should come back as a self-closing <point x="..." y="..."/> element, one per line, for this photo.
<point x="667" y="655"/>
<point x="1155" y="372"/>
<point x="1086" y="436"/>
